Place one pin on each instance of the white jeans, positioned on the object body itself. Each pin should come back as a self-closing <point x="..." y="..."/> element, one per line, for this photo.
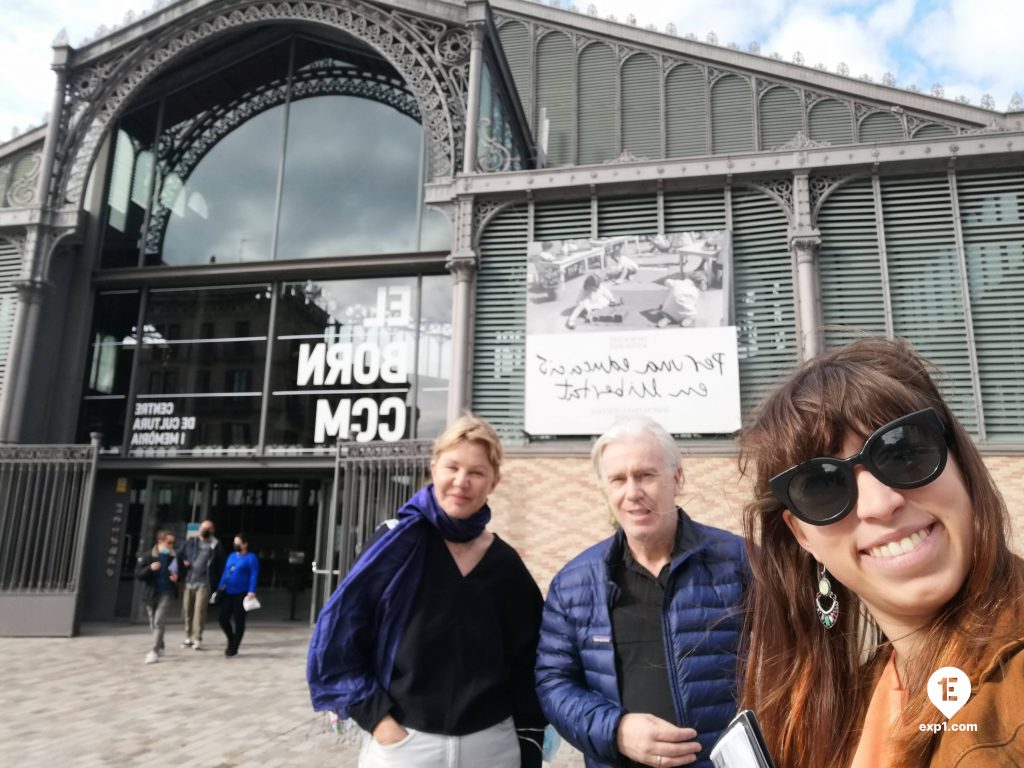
<point x="494" y="747"/>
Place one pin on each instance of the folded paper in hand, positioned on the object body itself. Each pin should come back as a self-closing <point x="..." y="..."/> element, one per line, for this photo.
<point x="742" y="745"/>
<point x="250" y="603"/>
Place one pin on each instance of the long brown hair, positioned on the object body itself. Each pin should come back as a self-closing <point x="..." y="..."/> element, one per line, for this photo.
<point x="810" y="686"/>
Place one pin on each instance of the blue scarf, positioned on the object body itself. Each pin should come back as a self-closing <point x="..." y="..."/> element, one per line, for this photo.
<point x="352" y="652"/>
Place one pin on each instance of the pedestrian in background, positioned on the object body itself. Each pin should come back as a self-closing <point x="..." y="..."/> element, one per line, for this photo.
<point x="156" y="571"/>
<point x="200" y="565"/>
<point x="238" y="582"/>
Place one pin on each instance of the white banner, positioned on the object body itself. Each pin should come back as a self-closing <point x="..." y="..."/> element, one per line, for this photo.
<point x="687" y="379"/>
<point x="631" y="325"/>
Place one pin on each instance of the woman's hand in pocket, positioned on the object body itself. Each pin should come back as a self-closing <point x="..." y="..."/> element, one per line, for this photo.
<point x="388" y="731"/>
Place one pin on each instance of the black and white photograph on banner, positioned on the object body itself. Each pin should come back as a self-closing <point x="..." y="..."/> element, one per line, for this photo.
<point x="678" y="280"/>
<point x="632" y="324"/>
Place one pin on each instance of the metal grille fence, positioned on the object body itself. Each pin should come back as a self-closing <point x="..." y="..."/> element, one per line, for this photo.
<point x="45" y="496"/>
<point x="371" y="482"/>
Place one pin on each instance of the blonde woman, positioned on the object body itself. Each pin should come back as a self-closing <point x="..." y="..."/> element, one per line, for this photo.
<point x="430" y="641"/>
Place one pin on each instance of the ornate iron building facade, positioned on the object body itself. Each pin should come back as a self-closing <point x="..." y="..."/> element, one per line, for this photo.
<point x="254" y="230"/>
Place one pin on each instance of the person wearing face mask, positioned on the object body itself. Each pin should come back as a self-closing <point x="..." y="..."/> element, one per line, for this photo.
<point x="429" y="643"/>
<point x="238" y="582"/>
<point x="157" y="571"/>
<point x="200" y="565"/>
<point x="878" y="543"/>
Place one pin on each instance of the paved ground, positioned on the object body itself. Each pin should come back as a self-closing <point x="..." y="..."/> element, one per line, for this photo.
<point x="91" y="702"/>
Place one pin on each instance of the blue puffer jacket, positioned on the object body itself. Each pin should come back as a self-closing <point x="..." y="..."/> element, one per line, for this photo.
<point x="576" y="678"/>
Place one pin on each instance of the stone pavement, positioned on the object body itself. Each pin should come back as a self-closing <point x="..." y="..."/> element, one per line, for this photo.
<point x="90" y="702"/>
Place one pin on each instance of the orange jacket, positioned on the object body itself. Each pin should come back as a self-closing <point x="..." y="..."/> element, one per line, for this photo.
<point x="997" y="706"/>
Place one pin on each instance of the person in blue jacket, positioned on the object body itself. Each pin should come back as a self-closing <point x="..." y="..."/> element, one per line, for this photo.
<point x="637" y="660"/>
<point x="237" y="583"/>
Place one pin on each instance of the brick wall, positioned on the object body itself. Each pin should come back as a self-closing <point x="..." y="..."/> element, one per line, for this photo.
<point x="551" y="509"/>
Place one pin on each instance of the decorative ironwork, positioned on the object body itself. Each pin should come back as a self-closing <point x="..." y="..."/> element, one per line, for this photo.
<point x="30" y="453"/>
<point x="780" y="190"/>
<point x="861" y="111"/>
<point x="801" y="142"/>
<point x="992" y="127"/>
<point x="493" y="156"/>
<point x="714" y="74"/>
<point x="626" y="157"/>
<point x="813" y="97"/>
<point x="403" y="449"/>
<point x="25" y="180"/>
<point x="412" y="45"/>
<point x="182" y="147"/>
<point x="822" y="187"/>
<point x="483" y="212"/>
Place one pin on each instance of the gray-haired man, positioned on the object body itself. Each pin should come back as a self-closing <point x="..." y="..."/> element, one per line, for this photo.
<point x="637" y="657"/>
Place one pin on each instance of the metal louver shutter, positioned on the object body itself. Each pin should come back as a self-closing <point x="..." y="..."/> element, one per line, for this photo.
<point x="832" y="121"/>
<point x="933" y="131"/>
<point x="881" y="126"/>
<point x="924" y="282"/>
<point x="555" y="92"/>
<point x="627" y="216"/>
<point x="10" y="271"/>
<point x="515" y="41"/>
<point x="851" y="278"/>
<point x="992" y="218"/>
<point x="763" y="279"/>
<point x="694" y="211"/>
<point x="781" y="116"/>
<point x="686" y="118"/>
<point x="641" y="107"/>
<point x="560" y="221"/>
<point x="598" y="129"/>
<point x="732" y="115"/>
<point x="500" y="327"/>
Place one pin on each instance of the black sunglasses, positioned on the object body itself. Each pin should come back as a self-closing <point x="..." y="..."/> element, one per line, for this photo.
<point x="906" y="453"/>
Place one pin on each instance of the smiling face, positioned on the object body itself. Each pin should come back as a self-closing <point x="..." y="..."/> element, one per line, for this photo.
<point x="463" y="478"/>
<point x="641" y="488"/>
<point x="905" y="553"/>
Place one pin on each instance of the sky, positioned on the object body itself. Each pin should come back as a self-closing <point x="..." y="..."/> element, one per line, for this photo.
<point x="969" y="47"/>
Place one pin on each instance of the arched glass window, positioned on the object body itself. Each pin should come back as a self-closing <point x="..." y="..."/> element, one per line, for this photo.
<point x="297" y="148"/>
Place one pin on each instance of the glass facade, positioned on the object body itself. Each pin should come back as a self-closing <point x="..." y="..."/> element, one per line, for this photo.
<point x="298" y="149"/>
<point x="351" y="359"/>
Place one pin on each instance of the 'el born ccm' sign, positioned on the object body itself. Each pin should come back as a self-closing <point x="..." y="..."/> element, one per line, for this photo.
<point x="368" y="366"/>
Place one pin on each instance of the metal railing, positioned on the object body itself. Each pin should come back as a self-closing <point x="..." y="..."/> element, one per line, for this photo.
<point x="45" y="501"/>
<point x="371" y="481"/>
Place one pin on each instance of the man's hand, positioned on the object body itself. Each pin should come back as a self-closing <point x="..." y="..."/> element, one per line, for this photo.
<point x="388" y="731"/>
<point x="186" y="563"/>
<point x="649" y="740"/>
<point x="174" y="578"/>
<point x="155" y="566"/>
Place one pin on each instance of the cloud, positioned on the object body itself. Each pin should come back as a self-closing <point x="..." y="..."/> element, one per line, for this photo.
<point x="26" y="36"/>
<point x="971" y="46"/>
<point x="975" y="44"/>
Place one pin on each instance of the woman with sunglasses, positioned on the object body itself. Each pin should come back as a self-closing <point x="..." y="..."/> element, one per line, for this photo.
<point x="878" y="544"/>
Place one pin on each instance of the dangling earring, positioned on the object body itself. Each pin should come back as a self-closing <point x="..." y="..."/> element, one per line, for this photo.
<point x="827" y="616"/>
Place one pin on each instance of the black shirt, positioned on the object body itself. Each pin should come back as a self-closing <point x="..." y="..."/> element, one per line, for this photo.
<point x="466" y="658"/>
<point x="641" y="663"/>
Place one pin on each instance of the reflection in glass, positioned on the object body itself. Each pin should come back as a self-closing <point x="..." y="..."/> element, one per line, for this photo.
<point x="128" y="187"/>
<point x="200" y="370"/>
<point x="351" y="179"/>
<point x="358" y="360"/>
<point x="221" y="184"/>
<point x="223" y="211"/>
<point x="109" y="367"/>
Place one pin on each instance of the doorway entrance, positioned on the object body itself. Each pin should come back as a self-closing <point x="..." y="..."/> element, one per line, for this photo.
<point x="277" y="515"/>
<point x="168" y="503"/>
